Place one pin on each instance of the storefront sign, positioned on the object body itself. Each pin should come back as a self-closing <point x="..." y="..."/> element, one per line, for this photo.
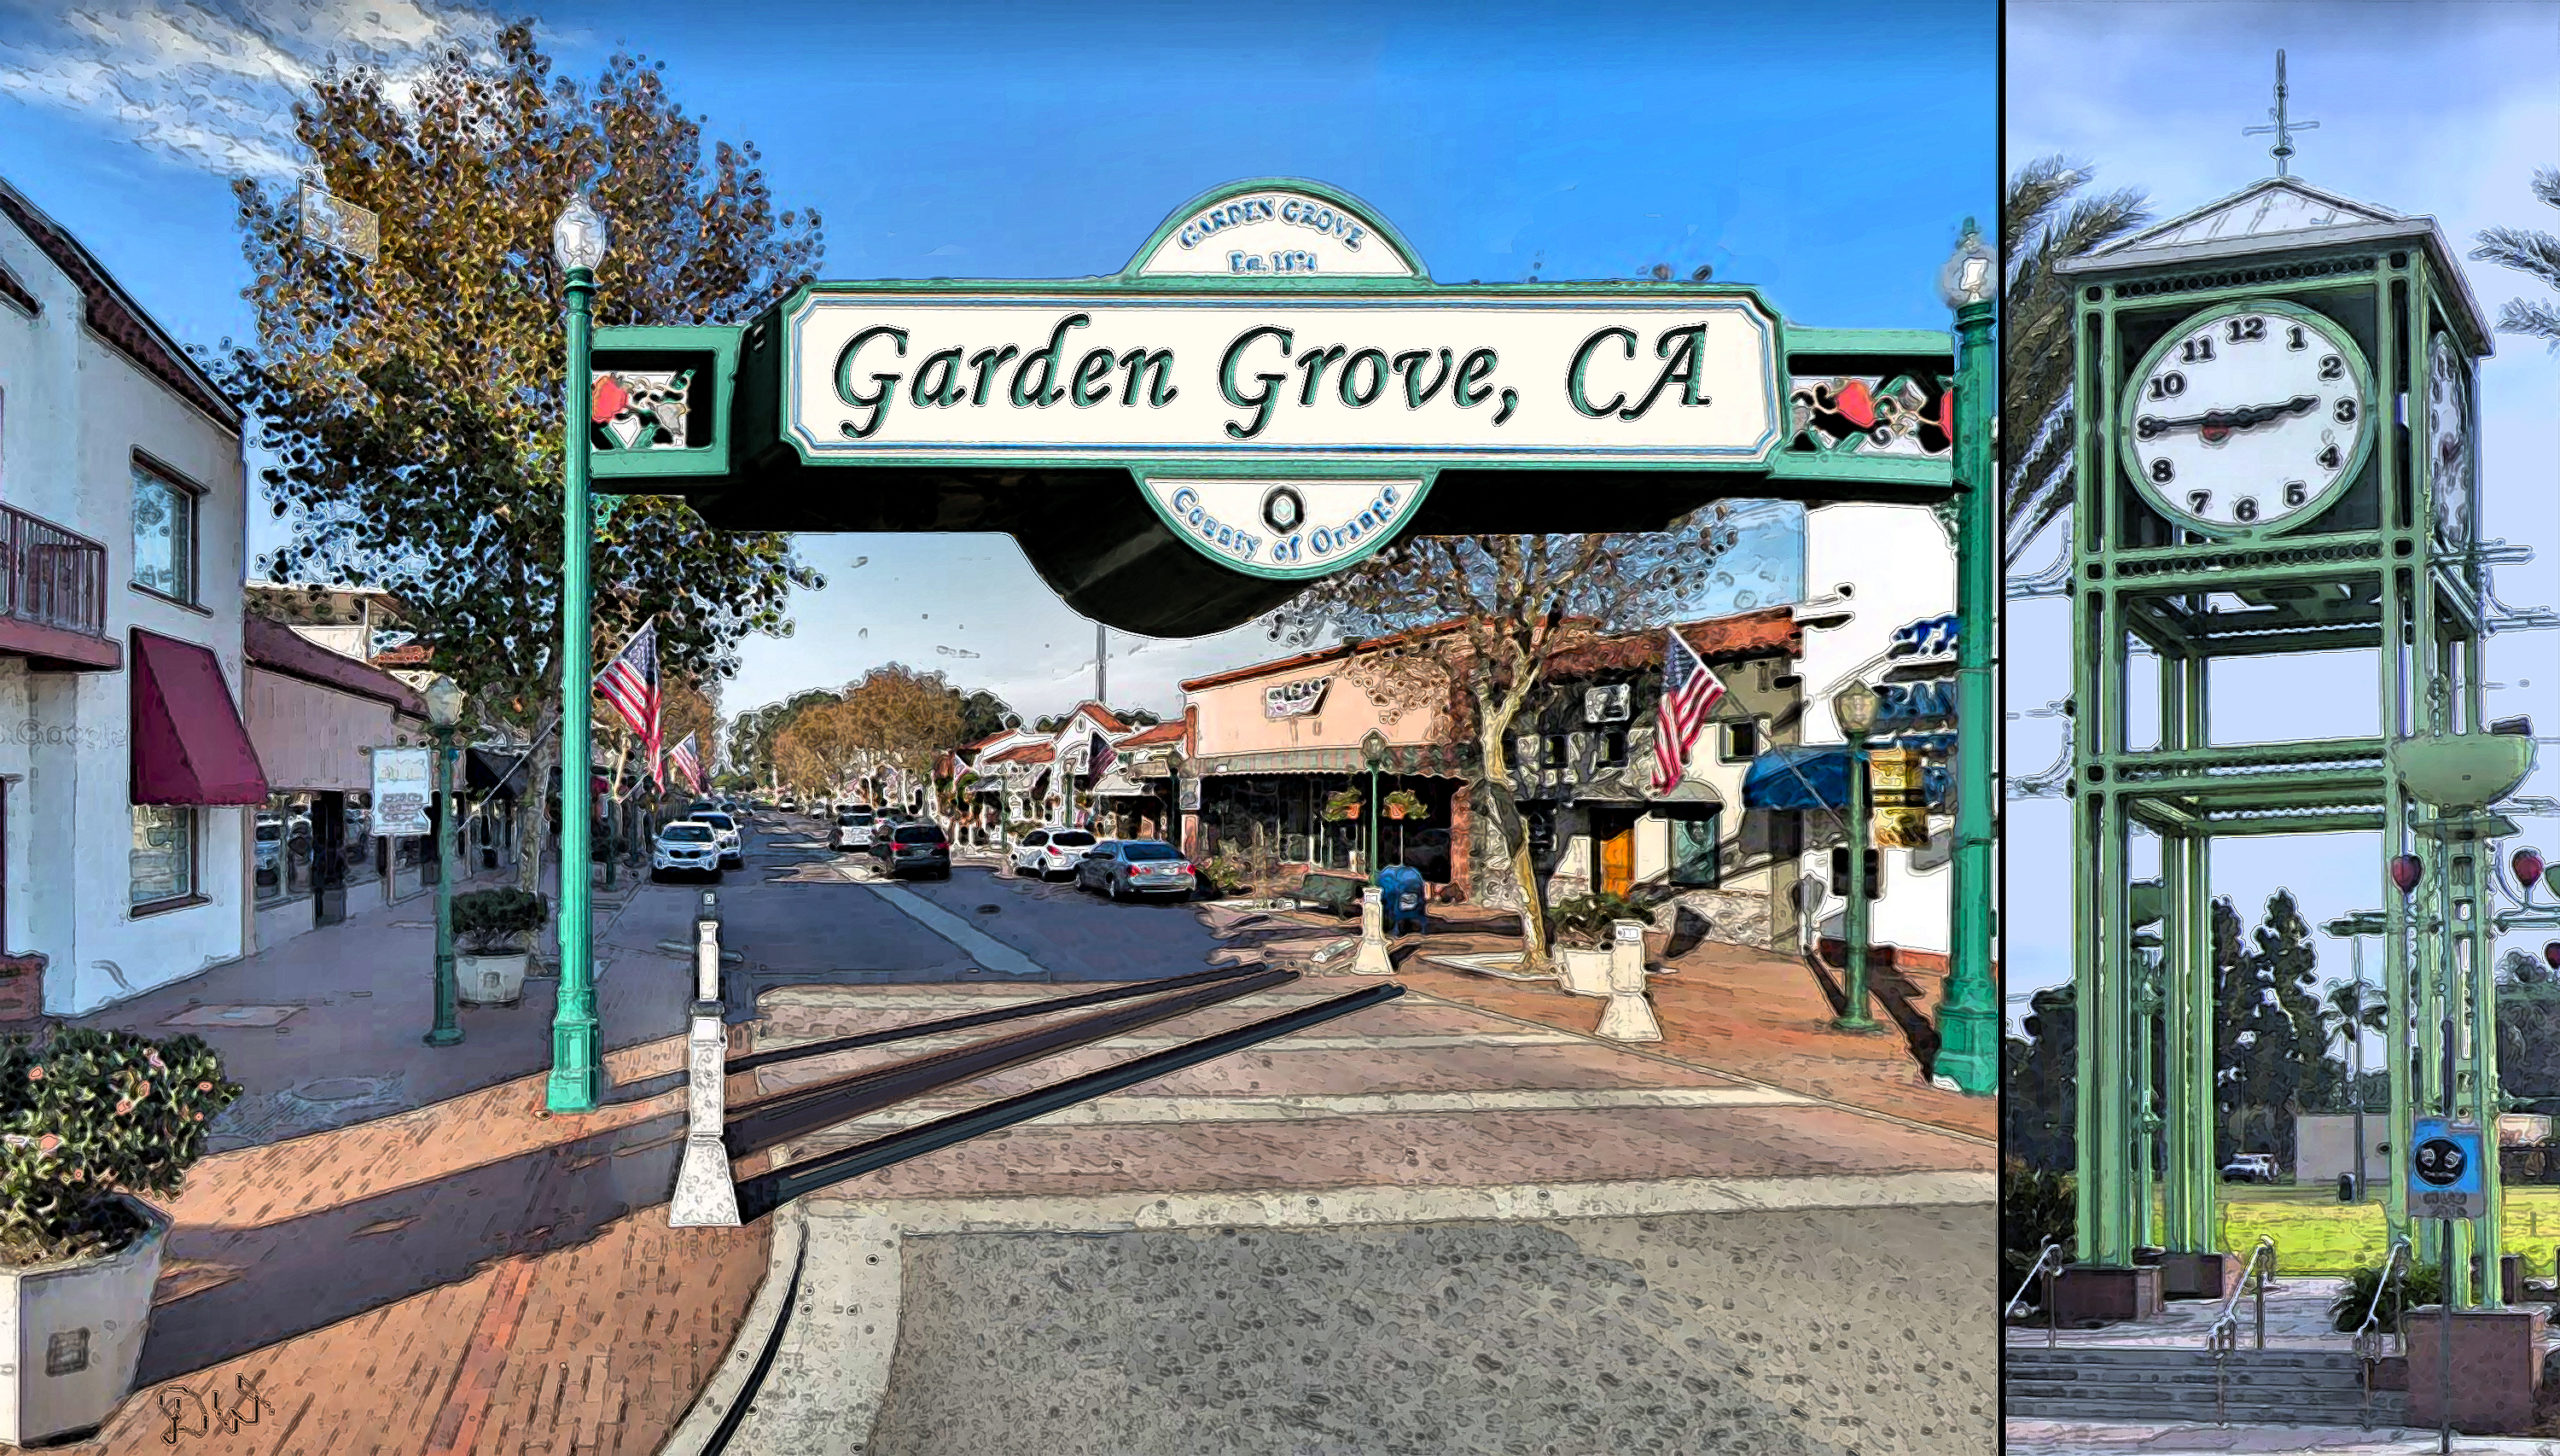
<point x="1901" y="809"/>
<point x="1296" y="699"/>
<point x="1903" y="706"/>
<point x="400" y="790"/>
<point x="1188" y="801"/>
<point x="1275" y="232"/>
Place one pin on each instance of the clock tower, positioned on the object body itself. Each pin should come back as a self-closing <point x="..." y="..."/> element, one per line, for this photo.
<point x="2272" y="433"/>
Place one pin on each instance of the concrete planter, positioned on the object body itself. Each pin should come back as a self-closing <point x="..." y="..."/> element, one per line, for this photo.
<point x="490" y="980"/>
<point x="1584" y="971"/>
<point x="73" y="1335"/>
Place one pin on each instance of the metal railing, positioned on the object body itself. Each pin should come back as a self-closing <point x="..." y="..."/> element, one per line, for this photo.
<point x="2051" y="1253"/>
<point x="2395" y="1275"/>
<point x="50" y="576"/>
<point x="2223" y="1339"/>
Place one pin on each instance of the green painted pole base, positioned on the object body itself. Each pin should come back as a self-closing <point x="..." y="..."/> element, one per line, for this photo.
<point x="442" y="1038"/>
<point x="577" y="1083"/>
<point x="1969" y="1048"/>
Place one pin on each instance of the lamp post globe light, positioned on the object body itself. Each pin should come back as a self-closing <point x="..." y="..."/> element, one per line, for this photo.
<point x="1969" y="1019"/>
<point x="1854" y="706"/>
<point x="444" y="711"/>
<point x="578" y="244"/>
<point x="1373" y="752"/>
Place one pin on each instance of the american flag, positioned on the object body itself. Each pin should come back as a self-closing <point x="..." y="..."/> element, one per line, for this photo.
<point x="687" y="762"/>
<point x="1689" y="694"/>
<point x="630" y="683"/>
<point x="1102" y="757"/>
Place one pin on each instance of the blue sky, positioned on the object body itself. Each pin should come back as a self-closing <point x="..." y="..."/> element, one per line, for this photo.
<point x="2444" y="109"/>
<point x="1809" y="149"/>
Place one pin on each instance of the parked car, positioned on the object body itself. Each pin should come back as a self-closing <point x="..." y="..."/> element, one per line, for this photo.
<point x="2250" y="1168"/>
<point x="916" y="847"/>
<point x="884" y="826"/>
<point x="688" y="846"/>
<point x="853" y="829"/>
<point x="787" y="806"/>
<point x="1051" y="850"/>
<point x="733" y="851"/>
<point x="1126" y="868"/>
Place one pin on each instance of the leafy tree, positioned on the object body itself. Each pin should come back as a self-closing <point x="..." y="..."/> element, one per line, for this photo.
<point x="2043" y="224"/>
<point x="902" y="718"/>
<point x="751" y="737"/>
<point x="2535" y="254"/>
<point x="2039" y="1099"/>
<point x="2270" y="1036"/>
<point x="1507" y="606"/>
<point x="413" y="403"/>
<point x="983" y="715"/>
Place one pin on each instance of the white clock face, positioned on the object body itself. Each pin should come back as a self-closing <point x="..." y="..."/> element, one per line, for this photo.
<point x="2248" y="419"/>
<point x="2449" y="427"/>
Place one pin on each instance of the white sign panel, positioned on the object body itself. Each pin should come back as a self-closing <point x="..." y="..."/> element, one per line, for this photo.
<point x="1275" y="233"/>
<point x="1296" y="699"/>
<point x="885" y="375"/>
<point x="1286" y="528"/>
<point x="400" y="790"/>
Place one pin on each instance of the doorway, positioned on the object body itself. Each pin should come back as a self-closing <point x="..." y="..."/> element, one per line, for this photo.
<point x="1613" y="835"/>
<point x="328" y="858"/>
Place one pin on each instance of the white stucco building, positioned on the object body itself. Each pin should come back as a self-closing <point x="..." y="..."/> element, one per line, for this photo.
<point x="125" y="770"/>
<point x="1870" y="572"/>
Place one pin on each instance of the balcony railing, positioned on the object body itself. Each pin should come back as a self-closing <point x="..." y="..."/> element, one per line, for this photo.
<point x="52" y="577"/>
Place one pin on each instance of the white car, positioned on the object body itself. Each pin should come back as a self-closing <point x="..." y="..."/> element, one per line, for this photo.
<point x="853" y="828"/>
<point x="2250" y="1168"/>
<point x="687" y="846"/>
<point x="732" y="847"/>
<point x="1051" y="850"/>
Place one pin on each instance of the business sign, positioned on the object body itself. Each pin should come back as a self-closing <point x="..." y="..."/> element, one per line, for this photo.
<point x="1903" y="706"/>
<point x="1612" y="704"/>
<point x="2447" y="1170"/>
<point x="1928" y="638"/>
<point x="1295" y="699"/>
<point x="400" y="790"/>
<point x="1188" y="800"/>
<point x="1275" y="232"/>
<point x="1901" y="808"/>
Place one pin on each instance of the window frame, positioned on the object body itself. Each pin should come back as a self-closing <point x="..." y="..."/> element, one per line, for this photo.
<point x="1713" y="819"/>
<point x="1727" y="733"/>
<point x="193" y="894"/>
<point x="193" y="495"/>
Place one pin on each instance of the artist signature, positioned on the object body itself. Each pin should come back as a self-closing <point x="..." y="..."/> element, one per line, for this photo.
<point x="179" y="1403"/>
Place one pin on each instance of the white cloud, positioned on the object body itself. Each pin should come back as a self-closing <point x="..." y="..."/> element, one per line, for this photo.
<point x="213" y="84"/>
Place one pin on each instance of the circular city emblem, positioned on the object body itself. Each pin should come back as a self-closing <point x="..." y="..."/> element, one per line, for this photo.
<point x="2440" y="1161"/>
<point x="1282" y="510"/>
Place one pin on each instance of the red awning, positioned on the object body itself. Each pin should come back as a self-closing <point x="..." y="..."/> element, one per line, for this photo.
<point x="188" y="745"/>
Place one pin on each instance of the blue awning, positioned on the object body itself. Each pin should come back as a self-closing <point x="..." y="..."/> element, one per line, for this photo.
<point x="1816" y="776"/>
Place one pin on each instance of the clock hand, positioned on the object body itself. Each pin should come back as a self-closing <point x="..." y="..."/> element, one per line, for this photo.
<point x="2219" y="425"/>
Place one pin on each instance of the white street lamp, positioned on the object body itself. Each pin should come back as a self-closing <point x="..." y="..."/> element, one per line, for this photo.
<point x="1967" y="277"/>
<point x="578" y="238"/>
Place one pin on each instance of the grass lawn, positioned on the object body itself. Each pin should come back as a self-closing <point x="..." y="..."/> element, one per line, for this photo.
<point x="2316" y="1234"/>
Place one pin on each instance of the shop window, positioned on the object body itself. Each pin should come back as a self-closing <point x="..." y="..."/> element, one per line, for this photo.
<point x="163" y="860"/>
<point x="284" y="849"/>
<point x="164" y="535"/>
<point x="357" y="848"/>
<point x="1559" y="751"/>
<point x="1613" y="748"/>
<point x="1695" y="862"/>
<point x="1741" y="743"/>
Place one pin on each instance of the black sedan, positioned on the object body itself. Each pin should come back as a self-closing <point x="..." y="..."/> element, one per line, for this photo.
<point x="915" y="847"/>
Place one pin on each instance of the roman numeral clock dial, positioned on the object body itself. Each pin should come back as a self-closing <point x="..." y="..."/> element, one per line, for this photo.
<point x="2248" y="419"/>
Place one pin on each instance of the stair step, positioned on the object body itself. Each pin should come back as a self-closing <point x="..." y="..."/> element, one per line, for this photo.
<point x="2175" y="1394"/>
<point x="2199" y="1413"/>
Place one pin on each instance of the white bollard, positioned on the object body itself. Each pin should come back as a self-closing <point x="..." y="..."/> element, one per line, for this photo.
<point x="1628" y="1016"/>
<point x="1373" y="960"/>
<point x="706" y="1192"/>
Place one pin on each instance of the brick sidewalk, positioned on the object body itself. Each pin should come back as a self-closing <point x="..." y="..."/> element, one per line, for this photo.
<point x="474" y="1276"/>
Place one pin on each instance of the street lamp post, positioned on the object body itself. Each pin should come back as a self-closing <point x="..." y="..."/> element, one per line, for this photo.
<point x="444" y="710"/>
<point x="1969" y="1019"/>
<point x="578" y="244"/>
<point x="1373" y="751"/>
<point x="1855" y="708"/>
<point x="1173" y="766"/>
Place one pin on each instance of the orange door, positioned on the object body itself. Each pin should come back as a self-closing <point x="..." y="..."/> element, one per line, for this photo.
<point x="1617" y="856"/>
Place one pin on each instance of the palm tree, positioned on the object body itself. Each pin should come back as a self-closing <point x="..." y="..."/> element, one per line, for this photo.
<point x="2528" y="251"/>
<point x="2043" y="224"/>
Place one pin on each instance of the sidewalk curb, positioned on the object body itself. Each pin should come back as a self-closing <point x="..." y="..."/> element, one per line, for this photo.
<point x="730" y="1393"/>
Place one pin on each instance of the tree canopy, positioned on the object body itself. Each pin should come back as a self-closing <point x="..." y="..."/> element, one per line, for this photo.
<point x="413" y="403"/>
<point x="2535" y="254"/>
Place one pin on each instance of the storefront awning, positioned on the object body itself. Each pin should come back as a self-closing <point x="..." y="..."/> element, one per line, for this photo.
<point x="494" y="771"/>
<point x="189" y="745"/>
<point x="1816" y="776"/>
<point x="1403" y="759"/>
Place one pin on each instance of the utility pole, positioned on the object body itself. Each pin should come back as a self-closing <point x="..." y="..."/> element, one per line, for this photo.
<point x="1101" y="651"/>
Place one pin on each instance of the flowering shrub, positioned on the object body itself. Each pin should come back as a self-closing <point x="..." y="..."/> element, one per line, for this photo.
<point x="497" y="922"/>
<point x="91" y="1114"/>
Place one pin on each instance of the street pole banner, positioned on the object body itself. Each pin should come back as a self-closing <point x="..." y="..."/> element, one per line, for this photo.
<point x="1902" y="813"/>
<point x="400" y="789"/>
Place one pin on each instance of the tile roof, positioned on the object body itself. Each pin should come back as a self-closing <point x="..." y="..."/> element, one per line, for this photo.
<point x="1307" y="659"/>
<point x="407" y="654"/>
<point x="1110" y="721"/>
<point x="1159" y="733"/>
<point x="1025" y="753"/>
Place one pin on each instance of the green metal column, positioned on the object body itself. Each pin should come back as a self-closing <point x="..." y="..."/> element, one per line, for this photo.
<point x="2179" y="1232"/>
<point x="1855" y="916"/>
<point x="2114" y="1089"/>
<point x="2203" y="1167"/>
<point x="575" y="1075"/>
<point x="2489" y="1099"/>
<point x="448" y="1027"/>
<point x="2093" y="1060"/>
<point x="1969" y="1022"/>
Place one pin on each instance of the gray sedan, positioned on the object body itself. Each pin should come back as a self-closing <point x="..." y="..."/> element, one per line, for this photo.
<point x="1126" y="868"/>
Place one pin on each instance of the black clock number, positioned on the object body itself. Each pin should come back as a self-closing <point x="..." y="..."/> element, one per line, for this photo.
<point x="2247" y="330"/>
<point x="2295" y="493"/>
<point x="2199" y="350"/>
<point x="2162" y="472"/>
<point x="2169" y="385"/>
<point x="2346" y="412"/>
<point x="2293" y="340"/>
<point x="2332" y="367"/>
<point x="2245" y="509"/>
<point x="2199" y="500"/>
<point x="2330" y="457"/>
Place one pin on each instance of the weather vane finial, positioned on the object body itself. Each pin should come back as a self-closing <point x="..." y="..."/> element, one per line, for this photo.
<point x="2284" y="128"/>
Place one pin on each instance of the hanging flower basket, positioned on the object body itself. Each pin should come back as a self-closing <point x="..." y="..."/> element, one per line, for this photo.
<point x="1342" y="806"/>
<point x="1406" y="804"/>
